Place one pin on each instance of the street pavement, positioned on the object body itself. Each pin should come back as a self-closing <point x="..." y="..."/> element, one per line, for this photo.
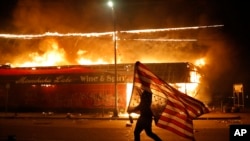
<point x="109" y="116"/>
<point x="50" y="126"/>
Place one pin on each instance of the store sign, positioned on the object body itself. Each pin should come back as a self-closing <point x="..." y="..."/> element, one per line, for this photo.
<point x="103" y="78"/>
<point x="88" y="79"/>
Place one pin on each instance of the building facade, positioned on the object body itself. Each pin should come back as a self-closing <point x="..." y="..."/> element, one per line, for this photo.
<point x="78" y="88"/>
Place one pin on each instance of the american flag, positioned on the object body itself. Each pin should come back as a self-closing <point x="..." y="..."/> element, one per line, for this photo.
<point x="172" y="109"/>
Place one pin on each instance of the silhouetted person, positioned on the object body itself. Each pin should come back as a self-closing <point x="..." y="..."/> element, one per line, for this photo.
<point x="145" y="119"/>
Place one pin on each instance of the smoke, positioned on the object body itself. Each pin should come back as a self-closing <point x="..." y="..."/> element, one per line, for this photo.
<point x="39" y="17"/>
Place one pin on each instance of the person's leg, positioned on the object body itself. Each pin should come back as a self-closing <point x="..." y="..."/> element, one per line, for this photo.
<point x="137" y="131"/>
<point x="148" y="130"/>
<point x="152" y="135"/>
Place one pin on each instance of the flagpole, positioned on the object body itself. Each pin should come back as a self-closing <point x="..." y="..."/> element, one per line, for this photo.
<point x="110" y="4"/>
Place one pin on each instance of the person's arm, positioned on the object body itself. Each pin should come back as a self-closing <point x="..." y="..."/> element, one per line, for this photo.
<point x="134" y="110"/>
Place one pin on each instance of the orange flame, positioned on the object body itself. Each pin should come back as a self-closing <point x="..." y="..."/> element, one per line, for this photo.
<point x="83" y="61"/>
<point x="200" y="62"/>
<point x="53" y="55"/>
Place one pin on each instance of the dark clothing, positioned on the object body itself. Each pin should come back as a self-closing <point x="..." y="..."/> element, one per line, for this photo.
<point x="146" y="124"/>
<point x="145" y="119"/>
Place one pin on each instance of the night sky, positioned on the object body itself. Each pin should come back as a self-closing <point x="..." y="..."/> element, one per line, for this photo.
<point x="85" y="16"/>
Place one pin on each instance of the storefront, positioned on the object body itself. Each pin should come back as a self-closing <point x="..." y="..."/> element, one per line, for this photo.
<point x="82" y="88"/>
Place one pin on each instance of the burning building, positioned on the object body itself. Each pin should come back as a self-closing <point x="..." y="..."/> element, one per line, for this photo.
<point x="75" y="71"/>
<point x="82" y="88"/>
<point x="43" y="33"/>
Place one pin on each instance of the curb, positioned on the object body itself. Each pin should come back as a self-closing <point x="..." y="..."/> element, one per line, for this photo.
<point x="60" y="116"/>
<point x="218" y="115"/>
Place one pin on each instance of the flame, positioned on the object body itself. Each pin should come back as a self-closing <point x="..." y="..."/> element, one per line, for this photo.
<point x="83" y="61"/>
<point x="53" y="34"/>
<point x="129" y="89"/>
<point x="190" y="89"/>
<point x="56" y="56"/>
<point x="56" y="34"/>
<point x="200" y="62"/>
<point x="53" y="55"/>
<point x="194" y="77"/>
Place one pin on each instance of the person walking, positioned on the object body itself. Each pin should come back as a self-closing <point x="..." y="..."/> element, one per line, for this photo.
<point x="145" y="119"/>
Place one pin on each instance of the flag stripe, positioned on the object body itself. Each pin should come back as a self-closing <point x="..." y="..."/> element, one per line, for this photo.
<point x="177" y="118"/>
<point x="182" y="127"/>
<point x="176" y="130"/>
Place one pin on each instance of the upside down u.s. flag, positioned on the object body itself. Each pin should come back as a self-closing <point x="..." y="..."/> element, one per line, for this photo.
<point x="172" y="109"/>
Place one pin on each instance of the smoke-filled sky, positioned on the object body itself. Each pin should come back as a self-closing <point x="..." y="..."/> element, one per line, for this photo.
<point x="223" y="48"/>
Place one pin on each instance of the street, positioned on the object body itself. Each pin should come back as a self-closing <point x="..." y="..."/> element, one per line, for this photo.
<point x="27" y="129"/>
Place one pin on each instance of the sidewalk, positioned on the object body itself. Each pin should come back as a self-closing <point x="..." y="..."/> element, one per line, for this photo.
<point x="99" y="116"/>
